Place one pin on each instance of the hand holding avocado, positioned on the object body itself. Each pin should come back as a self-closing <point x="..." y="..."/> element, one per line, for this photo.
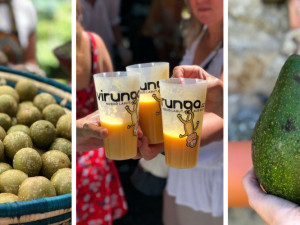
<point x="272" y="209"/>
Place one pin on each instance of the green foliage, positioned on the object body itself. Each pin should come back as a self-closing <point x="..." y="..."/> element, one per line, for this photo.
<point x="54" y="28"/>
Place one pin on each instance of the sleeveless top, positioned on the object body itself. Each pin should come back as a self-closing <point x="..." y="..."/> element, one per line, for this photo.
<point x="100" y="197"/>
<point x="201" y="187"/>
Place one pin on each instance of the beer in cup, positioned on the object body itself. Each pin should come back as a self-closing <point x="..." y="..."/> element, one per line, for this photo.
<point x="150" y="100"/>
<point x="183" y="102"/>
<point x="118" y="103"/>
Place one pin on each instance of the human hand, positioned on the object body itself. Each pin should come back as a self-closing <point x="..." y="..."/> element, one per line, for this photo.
<point x="272" y="209"/>
<point x="146" y="150"/>
<point x="214" y="95"/>
<point x="90" y="134"/>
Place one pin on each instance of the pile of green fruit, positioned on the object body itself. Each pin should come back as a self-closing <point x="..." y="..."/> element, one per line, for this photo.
<point x="35" y="144"/>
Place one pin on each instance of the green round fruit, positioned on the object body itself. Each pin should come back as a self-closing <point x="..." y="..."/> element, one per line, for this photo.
<point x="9" y="91"/>
<point x="62" y="181"/>
<point x="4" y="167"/>
<point x="2" y="133"/>
<point x="63" y="145"/>
<point x="42" y="133"/>
<point x="8" y="197"/>
<point x="15" y="141"/>
<point x="8" y="105"/>
<point x="54" y="160"/>
<point x="53" y="112"/>
<point x="10" y="181"/>
<point x="26" y="89"/>
<point x="19" y="127"/>
<point x="42" y="100"/>
<point x="64" y="126"/>
<point x="28" y="160"/>
<point x="36" y="187"/>
<point x="5" y="121"/>
<point x="25" y="104"/>
<point x="28" y="115"/>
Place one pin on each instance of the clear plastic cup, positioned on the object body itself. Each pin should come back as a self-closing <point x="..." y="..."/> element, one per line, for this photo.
<point x="183" y="103"/>
<point x="150" y="110"/>
<point x="118" y="103"/>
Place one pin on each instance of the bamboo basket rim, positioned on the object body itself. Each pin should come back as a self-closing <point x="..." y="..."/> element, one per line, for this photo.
<point x="60" y="90"/>
<point x="37" y="206"/>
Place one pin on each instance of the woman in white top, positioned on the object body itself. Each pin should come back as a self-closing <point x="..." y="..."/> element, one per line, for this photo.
<point x="198" y="192"/>
<point x="195" y="196"/>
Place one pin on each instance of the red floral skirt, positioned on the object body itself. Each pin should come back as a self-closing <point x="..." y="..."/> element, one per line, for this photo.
<point x="100" y="197"/>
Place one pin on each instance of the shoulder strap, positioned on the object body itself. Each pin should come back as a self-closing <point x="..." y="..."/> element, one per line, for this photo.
<point x="94" y="54"/>
<point x="13" y="20"/>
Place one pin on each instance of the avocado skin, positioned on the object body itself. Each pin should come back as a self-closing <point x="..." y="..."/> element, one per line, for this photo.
<point x="276" y="137"/>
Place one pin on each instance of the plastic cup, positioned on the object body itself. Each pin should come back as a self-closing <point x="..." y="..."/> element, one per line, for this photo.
<point x="183" y="103"/>
<point x="118" y="98"/>
<point x="150" y="100"/>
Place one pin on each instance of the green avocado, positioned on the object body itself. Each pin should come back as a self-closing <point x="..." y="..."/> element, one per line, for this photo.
<point x="276" y="137"/>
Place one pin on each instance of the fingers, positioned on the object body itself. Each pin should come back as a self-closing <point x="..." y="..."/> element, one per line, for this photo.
<point x="251" y="184"/>
<point x="138" y="155"/>
<point x="94" y="131"/>
<point x="191" y="72"/>
<point x="270" y="208"/>
<point x="149" y="151"/>
<point x="140" y="132"/>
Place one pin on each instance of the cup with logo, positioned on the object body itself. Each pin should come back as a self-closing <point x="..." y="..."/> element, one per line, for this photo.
<point x="118" y="102"/>
<point x="183" y="103"/>
<point x="150" y="99"/>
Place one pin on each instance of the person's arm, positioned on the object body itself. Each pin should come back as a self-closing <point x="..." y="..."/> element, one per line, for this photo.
<point x="212" y="129"/>
<point x="29" y="54"/>
<point x="30" y="63"/>
<point x="272" y="209"/>
<point x="104" y="60"/>
<point x="239" y="162"/>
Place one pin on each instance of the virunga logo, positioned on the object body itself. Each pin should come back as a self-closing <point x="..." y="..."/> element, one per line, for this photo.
<point x="190" y="130"/>
<point x="134" y="116"/>
<point x="158" y="101"/>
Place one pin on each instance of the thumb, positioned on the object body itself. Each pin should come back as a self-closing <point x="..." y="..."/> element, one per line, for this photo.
<point x="94" y="131"/>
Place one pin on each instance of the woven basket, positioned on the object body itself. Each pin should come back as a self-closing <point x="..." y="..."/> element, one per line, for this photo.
<point x="54" y="210"/>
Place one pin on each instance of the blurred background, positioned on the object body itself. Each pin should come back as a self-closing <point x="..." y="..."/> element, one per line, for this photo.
<point x="54" y="29"/>
<point x="35" y="36"/>
<point x="262" y="34"/>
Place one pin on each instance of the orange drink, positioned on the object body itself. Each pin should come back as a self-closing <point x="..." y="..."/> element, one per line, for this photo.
<point x="150" y="120"/>
<point x="118" y="102"/>
<point x="177" y="154"/>
<point x="183" y="103"/>
<point x="120" y="143"/>
<point x="149" y="105"/>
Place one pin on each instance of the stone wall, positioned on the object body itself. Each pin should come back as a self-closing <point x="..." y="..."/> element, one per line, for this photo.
<point x="260" y="40"/>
